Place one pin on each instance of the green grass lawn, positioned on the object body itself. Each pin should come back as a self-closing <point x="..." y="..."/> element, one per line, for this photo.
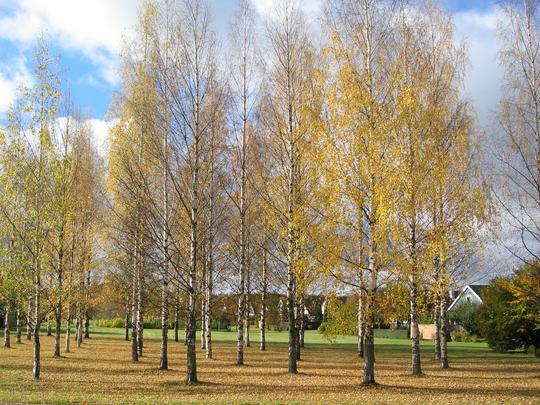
<point x="312" y="337"/>
<point x="457" y="350"/>
<point x="101" y="372"/>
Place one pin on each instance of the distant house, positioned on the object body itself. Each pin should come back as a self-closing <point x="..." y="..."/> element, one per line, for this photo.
<point x="470" y="294"/>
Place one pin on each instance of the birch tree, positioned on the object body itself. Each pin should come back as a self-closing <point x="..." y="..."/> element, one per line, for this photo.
<point x="435" y="134"/>
<point x="359" y="139"/>
<point x="286" y="99"/>
<point x="186" y="73"/>
<point x="32" y="120"/>
<point x="244" y="83"/>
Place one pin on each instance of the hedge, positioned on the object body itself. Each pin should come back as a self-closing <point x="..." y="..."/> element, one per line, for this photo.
<point x="156" y="323"/>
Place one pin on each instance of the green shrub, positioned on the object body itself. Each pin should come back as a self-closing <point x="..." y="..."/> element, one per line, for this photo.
<point x="378" y="333"/>
<point x="463" y="336"/>
<point x="534" y="350"/>
<point x="220" y="324"/>
<point x="342" y="319"/>
<point x="497" y="319"/>
<point x="466" y="315"/>
<point x="390" y="333"/>
<point x="110" y="323"/>
<point x="459" y="336"/>
<point x="509" y="317"/>
<point x="155" y="323"/>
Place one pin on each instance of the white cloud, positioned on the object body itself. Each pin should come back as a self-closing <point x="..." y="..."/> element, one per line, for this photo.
<point x="12" y="76"/>
<point x="100" y="131"/>
<point x="93" y="27"/>
<point x="483" y="84"/>
<point x="267" y="8"/>
<point x="264" y="7"/>
<point x="486" y="20"/>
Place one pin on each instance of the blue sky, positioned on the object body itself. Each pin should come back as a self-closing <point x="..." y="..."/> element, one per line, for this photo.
<point x="87" y="35"/>
<point x="89" y="58"/>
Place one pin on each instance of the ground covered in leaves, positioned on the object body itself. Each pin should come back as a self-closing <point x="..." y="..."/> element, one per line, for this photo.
<point x="101" y="372"/>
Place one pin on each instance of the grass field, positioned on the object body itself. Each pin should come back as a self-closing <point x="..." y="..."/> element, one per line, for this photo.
<point x="101" y="372"/>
